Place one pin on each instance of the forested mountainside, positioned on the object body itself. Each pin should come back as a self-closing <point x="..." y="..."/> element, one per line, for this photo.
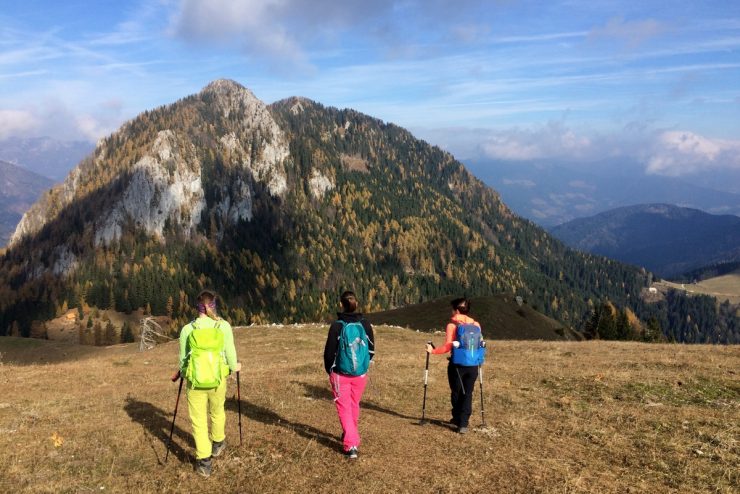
<point x="279" y="208"/>
<point x="668" y="240"/>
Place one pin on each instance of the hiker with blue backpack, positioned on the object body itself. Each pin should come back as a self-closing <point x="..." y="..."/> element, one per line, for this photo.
<point x="207" y="357"/>
<point x="464" y="340"/>
<point x="350" y="345"/>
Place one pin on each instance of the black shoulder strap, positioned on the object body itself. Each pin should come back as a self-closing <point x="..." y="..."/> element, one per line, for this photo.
<point x="341" y="330"/>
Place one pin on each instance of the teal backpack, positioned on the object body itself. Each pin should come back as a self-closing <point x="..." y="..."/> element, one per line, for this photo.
<point x="353" y="352"/>
<point x="205" y="368"/>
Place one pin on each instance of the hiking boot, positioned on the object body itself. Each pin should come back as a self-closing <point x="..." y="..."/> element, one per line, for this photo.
<point x="352" y="453"/>
<point x="462" y="430"/>
<point x="203" y="467"/>
<point x="454" y="422"/>
<point x="217" y="448"/>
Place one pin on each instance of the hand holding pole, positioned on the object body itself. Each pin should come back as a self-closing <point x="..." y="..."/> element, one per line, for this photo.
<point x="426" y="376"/>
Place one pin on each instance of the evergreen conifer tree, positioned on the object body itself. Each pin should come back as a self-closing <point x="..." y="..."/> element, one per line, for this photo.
<point x="110" y="334"/>
<point x="127" y="335"/>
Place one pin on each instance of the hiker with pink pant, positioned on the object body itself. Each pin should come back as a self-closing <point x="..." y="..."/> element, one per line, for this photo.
<point x="349" y="348"/>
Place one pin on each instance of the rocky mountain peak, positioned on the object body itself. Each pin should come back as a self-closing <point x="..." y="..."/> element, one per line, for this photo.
<point x="224" y="86"/>
<point x="231" y="96"/>
<point x="166" y="177"/>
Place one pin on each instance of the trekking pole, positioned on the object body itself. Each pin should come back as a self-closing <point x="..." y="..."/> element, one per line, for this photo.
<point x="482" y="413"/>
<point x="174" y="416"/>
<point x="462" y="386"/>
<point x="456" y="344"/>
<point x="239" y="405"/>
<point x="426" y="375"/>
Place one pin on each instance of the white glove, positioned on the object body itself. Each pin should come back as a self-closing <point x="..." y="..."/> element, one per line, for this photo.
<point x="456" y="344"/>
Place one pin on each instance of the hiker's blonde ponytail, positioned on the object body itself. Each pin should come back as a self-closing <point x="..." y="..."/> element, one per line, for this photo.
<point x="211" y="312"/>
<point x="207" y="304"/>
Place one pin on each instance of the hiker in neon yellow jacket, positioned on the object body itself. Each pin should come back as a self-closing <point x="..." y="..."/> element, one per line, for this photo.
<point x="206" y="395"/>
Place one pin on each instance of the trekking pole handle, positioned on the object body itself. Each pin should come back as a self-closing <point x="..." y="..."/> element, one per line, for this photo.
<point x="175" y="376"/>
<point x="431" y="344"/>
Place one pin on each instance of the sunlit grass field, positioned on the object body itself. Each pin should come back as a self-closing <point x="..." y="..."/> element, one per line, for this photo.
<point x="560" y="417"/>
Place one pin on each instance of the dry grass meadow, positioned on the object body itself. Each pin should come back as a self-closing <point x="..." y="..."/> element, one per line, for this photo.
<point x="725" y="287"/>
<point x="562" y="417"/>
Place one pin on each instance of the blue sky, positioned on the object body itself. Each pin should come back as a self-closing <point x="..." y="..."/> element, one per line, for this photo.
<point x="572" y="80"/>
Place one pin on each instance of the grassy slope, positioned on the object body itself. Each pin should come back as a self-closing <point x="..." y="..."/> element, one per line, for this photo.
<point x="725" y="287"/>
<point x="499" y="315"/>
<point x="562" y="416"/>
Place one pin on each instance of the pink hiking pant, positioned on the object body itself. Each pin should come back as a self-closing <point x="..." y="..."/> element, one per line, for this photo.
<point x="347" y="392"/>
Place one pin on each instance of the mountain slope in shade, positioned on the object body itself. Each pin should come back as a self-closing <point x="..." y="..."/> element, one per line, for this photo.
<point x="19" y="189"/>
<point x="500" y="317"/>
<point x="666" y="239"/>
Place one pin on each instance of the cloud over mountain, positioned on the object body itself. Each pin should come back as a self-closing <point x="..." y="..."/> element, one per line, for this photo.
<point x="14" y="122"/>
<point x="671" y="153"/>
<point x="678" y="153"/>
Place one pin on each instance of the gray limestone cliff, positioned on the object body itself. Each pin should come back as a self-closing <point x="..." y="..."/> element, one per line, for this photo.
<point x="159" y="159"/>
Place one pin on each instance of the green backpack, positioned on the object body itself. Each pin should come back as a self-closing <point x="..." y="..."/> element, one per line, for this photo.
<point x="205" y="363"/>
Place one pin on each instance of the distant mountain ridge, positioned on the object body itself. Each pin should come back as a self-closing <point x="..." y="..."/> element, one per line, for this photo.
<point x="19" y="189"/>
<point x="666" y="239"/>
<point x="551" y="194"/>
<point x="50" y="158"/>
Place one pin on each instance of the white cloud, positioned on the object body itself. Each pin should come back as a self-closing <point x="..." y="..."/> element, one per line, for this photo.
<point x="519" y="182"/>
<point x="90" y="127"/>
<point x="16" y="122"/>
<point x="55" y="118"/>
<point x="275" y="30"/>
<point x="293" y="32"/>
<point x="254" y="25"/>
<point x="554" y="140"/>
<point x="639" y="144"/>
<point x="676" y="153"/>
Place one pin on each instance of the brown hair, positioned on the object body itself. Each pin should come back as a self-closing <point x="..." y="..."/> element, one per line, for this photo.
<point x="461" y="304"/>
<point x="349" y="301"/>
<point x="207" y="304"/>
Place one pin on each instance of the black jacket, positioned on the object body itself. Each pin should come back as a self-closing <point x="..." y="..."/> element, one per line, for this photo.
<point x="332" y="339"/>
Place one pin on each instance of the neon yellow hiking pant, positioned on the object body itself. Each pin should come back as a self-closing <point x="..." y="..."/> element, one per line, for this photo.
<point x="204" y="403"/>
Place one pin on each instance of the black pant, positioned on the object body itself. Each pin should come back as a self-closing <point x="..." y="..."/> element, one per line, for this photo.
<point x="462" y="384"/>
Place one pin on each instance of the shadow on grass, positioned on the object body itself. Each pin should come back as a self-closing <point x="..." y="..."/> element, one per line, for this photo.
<point x="22" y="351"/>
<point x="158" y="423"/>
<point x="324" y="393"/>
<point x="268" y="417"/>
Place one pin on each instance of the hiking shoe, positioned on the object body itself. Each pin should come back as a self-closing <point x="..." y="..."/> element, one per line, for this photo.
<point x="203" y="467"/>
<point x="454" y="422"/>
<point x="217" y="448"/>
<point x="462" y="430"/>
<point x="352" y="453"/>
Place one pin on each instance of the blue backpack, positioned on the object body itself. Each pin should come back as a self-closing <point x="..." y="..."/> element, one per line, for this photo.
<point x="353" y="352"/>
<point x="470" y="352"/>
